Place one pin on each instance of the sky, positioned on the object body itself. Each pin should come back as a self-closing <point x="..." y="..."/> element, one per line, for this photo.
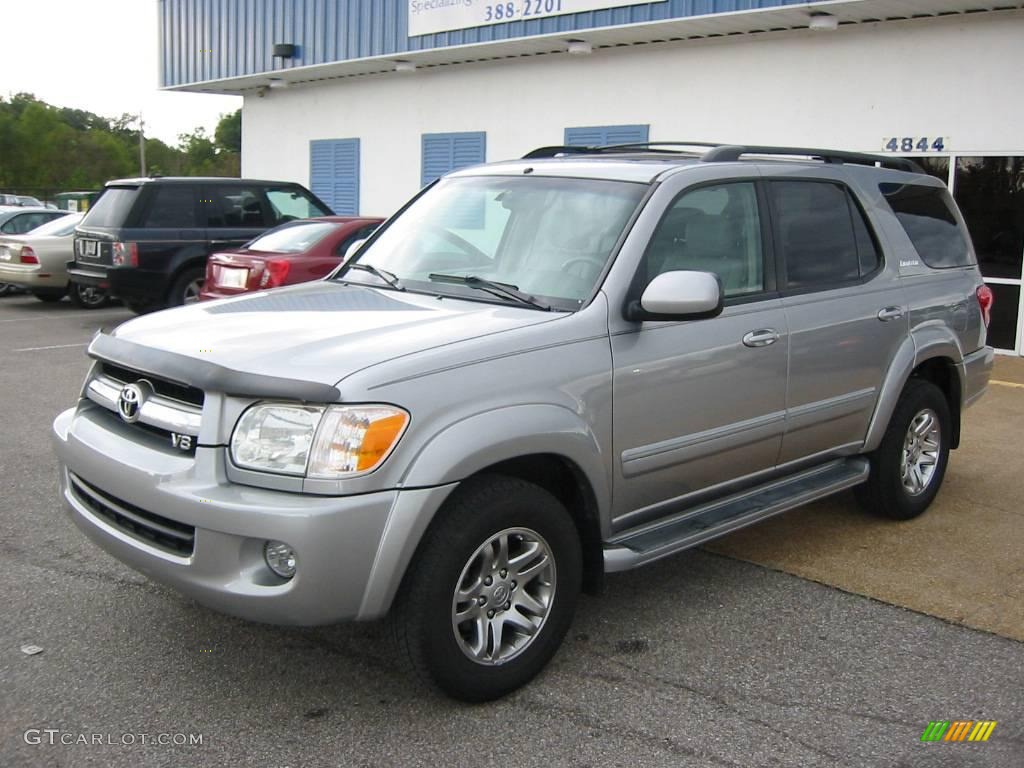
<point x="102" y="56"/>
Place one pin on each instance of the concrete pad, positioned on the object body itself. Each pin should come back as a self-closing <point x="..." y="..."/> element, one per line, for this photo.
<point x="963" y="560"/>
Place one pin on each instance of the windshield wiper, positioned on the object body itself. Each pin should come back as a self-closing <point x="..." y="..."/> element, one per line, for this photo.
<point x="503" y="290"/>
<point x="388" y="277"/>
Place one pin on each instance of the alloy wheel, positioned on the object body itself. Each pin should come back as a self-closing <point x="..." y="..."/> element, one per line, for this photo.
<point x="503" y="596"/>
<point x="920" y="455"/>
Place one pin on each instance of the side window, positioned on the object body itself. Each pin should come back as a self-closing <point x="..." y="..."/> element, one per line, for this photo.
<point x="712" y="229"/>
<point x="236" y="207"/>
<point x="822" y="236"/>
<point x="290" y="203"/>
<point x="171" y="206"/>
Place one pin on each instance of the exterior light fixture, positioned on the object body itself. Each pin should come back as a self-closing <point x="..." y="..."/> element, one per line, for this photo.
<point x="404" y="66"/>
<point x="276" y="83"/>
<point x="284" y="50"/>
<point x="579" y="47"/>
<point x="824" y="22"/>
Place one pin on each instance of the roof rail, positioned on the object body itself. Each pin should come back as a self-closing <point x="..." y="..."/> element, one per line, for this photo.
<point x="651" y="146"/>
<point x="733" y="152"/>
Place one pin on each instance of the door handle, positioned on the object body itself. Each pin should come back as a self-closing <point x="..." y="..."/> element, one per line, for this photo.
<point x="890" y="313"/>
<point x="762" y="337"/>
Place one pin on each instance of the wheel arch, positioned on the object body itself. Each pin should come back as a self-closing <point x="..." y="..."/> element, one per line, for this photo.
<point x="544" y="444"/>
<point x="933" y="354"/>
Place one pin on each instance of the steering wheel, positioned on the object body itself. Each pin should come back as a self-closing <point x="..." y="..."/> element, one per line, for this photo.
<point x="588" y="261"/>
<point x="459" y="242"/>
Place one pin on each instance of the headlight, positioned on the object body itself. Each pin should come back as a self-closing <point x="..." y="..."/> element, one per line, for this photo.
<point x="316" y="441"/>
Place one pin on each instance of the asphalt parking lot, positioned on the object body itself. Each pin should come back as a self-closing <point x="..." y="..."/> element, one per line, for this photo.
<point x="706" y="659"/>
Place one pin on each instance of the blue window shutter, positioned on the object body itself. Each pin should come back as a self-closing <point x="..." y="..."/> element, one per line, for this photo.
<point x="447" y="152"/>
<point x="334" y="173"/>
<point x="598" y="135"/>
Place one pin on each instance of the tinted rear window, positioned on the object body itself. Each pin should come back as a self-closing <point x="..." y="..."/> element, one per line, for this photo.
<point x="112" y="207"/>
<point x="926" y="214"/>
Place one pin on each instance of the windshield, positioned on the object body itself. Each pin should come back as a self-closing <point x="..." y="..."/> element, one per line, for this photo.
<point x="112" y="207"/>
<point x="293" y="238"/>
<point x="548" y="237"/>
<point x="59" y="227"/>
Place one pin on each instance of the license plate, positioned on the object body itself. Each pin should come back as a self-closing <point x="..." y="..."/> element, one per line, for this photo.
<point x="230" y="277"/>
<point x="5" y="254"/>
<point x="90" y="248"/>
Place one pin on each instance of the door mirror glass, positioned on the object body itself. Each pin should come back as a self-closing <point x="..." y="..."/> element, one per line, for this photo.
<point x="352" y="248"/>
<point x="679" y="295"/>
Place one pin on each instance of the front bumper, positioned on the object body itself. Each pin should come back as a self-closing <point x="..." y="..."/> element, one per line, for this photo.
<point x="351" y="550"/>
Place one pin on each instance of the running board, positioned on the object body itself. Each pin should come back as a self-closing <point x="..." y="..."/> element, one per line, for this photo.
<point x="717" y="518"/>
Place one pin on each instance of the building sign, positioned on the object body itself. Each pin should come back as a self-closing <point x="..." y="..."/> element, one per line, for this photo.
<point x="429" y="16"/>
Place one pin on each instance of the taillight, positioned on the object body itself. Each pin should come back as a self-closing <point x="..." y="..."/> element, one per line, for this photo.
<point x="28" y="256"/>
<point x="125" y="254"/>
<point x="985" y="300"/>
<point x="275" y="272"/>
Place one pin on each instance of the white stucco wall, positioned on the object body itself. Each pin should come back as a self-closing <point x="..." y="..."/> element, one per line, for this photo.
<point x="956" y="77"/>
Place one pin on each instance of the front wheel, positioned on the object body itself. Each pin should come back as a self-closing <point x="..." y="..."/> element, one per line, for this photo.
<point x="908" y="467"/>
<point x="492" y="591"/>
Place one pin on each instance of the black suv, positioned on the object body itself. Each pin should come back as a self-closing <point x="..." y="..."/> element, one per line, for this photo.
<point x="146" y="240"/>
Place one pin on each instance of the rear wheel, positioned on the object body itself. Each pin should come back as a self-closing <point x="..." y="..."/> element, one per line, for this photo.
<point x="488" y="599"/>
<point x="187" y="287"/>
<point x="51" y="296"/>
<point x="6" y="288"/>
<point x="908" y="467"/>
<point x="88" y="296"/>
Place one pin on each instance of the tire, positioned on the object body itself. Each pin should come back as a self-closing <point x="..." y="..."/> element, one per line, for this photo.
<point x="888" y="491"/>
<point x="141" y="309"/>
<point x="462" y="547"/>
<point x="87" y="296"/>
<point x="50" y="297"/>
<point x="6" y="288"/>
<point x="186" y="288"/>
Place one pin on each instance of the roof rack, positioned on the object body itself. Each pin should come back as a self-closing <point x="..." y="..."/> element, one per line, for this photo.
<point x="649" y="146"/>
<point x="733" y="152"/>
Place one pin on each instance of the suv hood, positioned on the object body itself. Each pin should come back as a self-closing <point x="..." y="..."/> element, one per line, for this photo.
<point x="318" y="332"/>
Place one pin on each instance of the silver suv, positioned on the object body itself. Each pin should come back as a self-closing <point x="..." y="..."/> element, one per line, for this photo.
<point x="536" y="373"/>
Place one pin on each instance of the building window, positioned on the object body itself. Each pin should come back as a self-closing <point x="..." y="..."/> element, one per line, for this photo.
<point x="446" y="152"/>
<point x="334" y="174"/>
<point x="600" y="135"/>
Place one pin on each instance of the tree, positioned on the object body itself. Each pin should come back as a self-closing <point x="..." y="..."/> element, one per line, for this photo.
<point x="229" y="132"/>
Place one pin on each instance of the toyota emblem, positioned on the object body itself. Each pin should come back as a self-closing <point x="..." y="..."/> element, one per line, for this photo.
<point x="129" y="403"/>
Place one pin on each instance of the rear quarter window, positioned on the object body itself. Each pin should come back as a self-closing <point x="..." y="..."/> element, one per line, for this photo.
<point x="926" y="215"/>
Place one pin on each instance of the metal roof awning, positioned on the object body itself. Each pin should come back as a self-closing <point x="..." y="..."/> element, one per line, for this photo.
<point x="711" y="26"/>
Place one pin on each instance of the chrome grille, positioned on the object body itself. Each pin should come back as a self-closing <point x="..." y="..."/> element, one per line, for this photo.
<point x="160" y="532"/>
<point x="163" y="409"/>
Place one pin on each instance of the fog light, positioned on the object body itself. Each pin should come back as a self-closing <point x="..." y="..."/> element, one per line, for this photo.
<point x="280" y="558"/>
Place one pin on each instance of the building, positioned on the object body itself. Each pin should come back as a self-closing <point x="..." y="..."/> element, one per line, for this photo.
<point x="367" y="100"/>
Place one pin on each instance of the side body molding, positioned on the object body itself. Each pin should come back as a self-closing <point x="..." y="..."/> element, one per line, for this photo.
<point x="924" y="343"/>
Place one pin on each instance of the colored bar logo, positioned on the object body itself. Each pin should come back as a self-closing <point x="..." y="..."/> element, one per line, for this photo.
<point x="958" y="730"/>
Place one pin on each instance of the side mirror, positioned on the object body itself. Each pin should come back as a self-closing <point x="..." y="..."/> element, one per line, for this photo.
<point x="681" y="295"/>
<point x="352" y="248"/>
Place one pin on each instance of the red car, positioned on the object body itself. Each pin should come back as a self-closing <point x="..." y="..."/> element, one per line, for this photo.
<point x="296" y="252"/>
